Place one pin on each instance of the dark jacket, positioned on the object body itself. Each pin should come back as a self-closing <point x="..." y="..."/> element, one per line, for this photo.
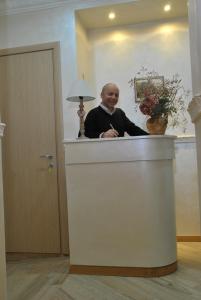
<point x="98" y="121"/>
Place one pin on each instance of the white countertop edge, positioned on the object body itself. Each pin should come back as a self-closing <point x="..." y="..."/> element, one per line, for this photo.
<point x="186" y="139"/>
<point x="141" y="137"/>
<point x="2" y="126"/>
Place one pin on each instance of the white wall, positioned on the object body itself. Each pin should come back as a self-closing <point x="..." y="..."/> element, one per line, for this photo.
<point x="186" y="188"/>
<point x="195" y="105"/>
<point x="194" y="9"/>
<point x="119" y="53"/>
<point x="84" y="61"/>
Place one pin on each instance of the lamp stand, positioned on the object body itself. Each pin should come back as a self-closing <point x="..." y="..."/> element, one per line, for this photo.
<point x="81" y="114"/>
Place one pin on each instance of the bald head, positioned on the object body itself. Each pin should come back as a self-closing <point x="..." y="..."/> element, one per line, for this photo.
<point x="110" y="95"/>
<point x="109" y="85"/>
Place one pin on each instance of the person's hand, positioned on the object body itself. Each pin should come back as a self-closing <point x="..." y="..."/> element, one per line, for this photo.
<point x="110" y="133"/>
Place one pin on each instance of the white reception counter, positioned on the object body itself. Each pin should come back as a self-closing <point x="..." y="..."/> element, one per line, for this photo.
<point x="121" y="206"/>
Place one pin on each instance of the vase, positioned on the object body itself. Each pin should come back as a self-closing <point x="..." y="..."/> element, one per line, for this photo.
<point x="157" y="125"/>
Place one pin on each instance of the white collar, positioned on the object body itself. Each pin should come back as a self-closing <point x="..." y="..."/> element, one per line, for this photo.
<point x="107" y="110"/>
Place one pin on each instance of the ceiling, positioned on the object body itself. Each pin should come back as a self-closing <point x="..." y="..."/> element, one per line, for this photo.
<point x="131" y="13"/>
<point x="8" y="7"/>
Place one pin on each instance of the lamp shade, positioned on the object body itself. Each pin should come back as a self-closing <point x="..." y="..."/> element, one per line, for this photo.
<point x="80" y="88"/>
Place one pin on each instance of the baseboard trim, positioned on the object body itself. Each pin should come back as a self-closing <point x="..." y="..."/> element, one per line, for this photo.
<point x="123" y="271"/>
<point x="189" y="238"/>
<point x="18" y="256"/>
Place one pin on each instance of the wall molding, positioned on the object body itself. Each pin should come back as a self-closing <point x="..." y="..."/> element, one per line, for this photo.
<point x="21" y="7"/>
<point x="12" y="7"/>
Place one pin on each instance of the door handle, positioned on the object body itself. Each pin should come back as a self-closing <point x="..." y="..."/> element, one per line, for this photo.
<point x="47" y="156"/>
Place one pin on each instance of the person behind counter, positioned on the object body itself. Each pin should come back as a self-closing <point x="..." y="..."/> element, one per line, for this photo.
<point x="107" y="121"/>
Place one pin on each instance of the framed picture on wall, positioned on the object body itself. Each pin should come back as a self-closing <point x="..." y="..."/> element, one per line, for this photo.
<point x="140" y="85"/>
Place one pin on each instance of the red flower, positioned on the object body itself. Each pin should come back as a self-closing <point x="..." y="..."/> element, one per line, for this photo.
<point x="148" y="104"/>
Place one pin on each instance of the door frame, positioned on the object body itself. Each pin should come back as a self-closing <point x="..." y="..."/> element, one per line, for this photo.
<point x="59" y="132"/>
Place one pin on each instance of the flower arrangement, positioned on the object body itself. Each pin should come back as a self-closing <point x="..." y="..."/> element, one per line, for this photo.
<point x="163" y="100"/>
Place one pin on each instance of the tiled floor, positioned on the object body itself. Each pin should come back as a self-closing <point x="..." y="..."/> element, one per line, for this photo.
<point x="48" y="279"/>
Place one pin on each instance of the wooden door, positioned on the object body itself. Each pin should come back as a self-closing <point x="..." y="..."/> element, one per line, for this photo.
<point x="30" y="183"/>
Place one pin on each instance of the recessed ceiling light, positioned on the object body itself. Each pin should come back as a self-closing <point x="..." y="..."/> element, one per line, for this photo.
<point x="111" y="16"/>
<point x="167" y="7"/>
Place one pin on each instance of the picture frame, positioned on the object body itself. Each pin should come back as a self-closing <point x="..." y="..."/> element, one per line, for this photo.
<point x="141" y="83"/>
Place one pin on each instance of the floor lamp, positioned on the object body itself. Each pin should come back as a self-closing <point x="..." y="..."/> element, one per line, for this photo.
<point x="80" y="92"/>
